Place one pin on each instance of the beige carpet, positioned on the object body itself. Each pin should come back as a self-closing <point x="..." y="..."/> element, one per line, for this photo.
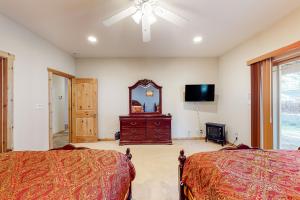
<point x="157" y="166"/>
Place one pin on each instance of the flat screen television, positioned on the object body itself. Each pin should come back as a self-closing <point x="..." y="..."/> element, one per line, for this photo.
<point x="195" y="93"/>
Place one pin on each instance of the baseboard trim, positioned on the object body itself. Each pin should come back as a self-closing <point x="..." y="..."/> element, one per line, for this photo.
<point x="183" y="138"/>
<point x="189" y="138"/>
<point x="106" y="139"/>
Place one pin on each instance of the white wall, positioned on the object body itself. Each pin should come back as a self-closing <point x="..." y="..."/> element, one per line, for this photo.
<point x="33" y="56"/>
<point x="234" y="74"/>
<point x="60" y="107"/>
<point x="115" y="75"/>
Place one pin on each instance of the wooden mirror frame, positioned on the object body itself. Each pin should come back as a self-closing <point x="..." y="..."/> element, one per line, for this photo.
<point x="144" y="83"/>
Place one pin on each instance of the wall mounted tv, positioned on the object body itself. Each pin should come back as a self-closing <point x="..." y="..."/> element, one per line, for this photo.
<point x="195" y="93"/>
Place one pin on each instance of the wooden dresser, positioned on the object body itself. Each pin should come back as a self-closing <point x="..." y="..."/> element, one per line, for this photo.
<point x="145" y="123"/>
<point x="145" y="129"/>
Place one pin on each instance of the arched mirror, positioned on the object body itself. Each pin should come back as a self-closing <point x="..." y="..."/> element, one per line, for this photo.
<point x="145" y="98"/>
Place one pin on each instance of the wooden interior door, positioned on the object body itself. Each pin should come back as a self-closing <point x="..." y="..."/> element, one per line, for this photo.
<point x="1" y="107"/>
<point x="84" y="110"/>
<point x="4" y="104"/>
<point x="6" y="101"/>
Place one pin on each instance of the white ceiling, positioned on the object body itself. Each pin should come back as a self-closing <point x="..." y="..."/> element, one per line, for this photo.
<point x="222" y="23"/>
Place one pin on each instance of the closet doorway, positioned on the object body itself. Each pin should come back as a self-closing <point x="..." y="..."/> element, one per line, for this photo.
<point x="6" y="102"/>
<point x="60" y="95"/>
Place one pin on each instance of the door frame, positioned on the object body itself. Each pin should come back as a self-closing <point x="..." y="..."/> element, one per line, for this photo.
<point x="6" y="84"/>
<point x="51" y="72"/>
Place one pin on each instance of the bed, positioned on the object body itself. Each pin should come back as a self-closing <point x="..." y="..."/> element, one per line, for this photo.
<point x="68" y="173"/>
<point x="240" y="173"/>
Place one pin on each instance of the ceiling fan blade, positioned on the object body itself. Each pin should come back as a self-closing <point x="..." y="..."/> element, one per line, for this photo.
<point x="120" y="16"/>
<point x="146" y="28"/>
<point x="169" y="16"/>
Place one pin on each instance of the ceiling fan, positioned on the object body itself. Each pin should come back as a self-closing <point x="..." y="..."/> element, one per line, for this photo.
<point x="145" y="12"/>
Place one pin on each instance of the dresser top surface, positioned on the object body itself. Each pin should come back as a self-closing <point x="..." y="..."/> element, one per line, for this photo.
<point x="144" y="116"/>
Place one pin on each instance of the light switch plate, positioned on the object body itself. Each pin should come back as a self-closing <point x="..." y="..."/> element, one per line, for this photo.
<point x="39" y="106"/>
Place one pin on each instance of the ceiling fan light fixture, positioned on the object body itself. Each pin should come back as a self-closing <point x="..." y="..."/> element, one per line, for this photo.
<point x="137" y="17"/>
<point x="152" y="19"/>
<point x="159" y="11"/>
<point x="145" y="12"/>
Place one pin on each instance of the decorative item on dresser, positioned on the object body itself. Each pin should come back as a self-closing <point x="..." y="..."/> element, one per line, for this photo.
<point x="215" y="132"/>
<point x="145" y="123"/>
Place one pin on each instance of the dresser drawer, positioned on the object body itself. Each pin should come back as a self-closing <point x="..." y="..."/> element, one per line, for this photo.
<point x="158" y="133"/>
<point x="133" y="134"/>
<point x="131" y="123"/>
<point x="159" y="123"/>
<point x="132" y="131"/>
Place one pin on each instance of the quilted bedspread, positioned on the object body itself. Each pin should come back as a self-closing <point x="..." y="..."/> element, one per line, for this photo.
<point x="243" y="174"/>
<point x="79" y="174"/>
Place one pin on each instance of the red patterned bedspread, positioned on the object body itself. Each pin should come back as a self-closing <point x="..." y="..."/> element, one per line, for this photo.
<point x="244" y="174"/>
<point x="79" y="174"/>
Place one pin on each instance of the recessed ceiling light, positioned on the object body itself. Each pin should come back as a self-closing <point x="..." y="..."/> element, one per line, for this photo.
<point x="92" y="39"/>
<point x="197" y="39"/>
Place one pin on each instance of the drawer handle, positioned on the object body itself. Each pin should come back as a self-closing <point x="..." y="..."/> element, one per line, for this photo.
<point x="133" y="123"/>
<point x="157" y="123"/>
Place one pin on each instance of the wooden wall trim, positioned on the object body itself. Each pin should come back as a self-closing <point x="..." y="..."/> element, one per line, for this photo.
<point x="106" y="139"/>
<point x="10" y="102"/>
<point x="5" y="103"/>
<point x="60" y="73"/>
<point x="7" y="55"/>
<point x="275" y="53"/>
<point x="50" y="120"/>
<point x="70" y="109"/>
<point x="286" y="60"/>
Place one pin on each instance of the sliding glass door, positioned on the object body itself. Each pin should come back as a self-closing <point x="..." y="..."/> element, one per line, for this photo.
<point x="286" y="105"/>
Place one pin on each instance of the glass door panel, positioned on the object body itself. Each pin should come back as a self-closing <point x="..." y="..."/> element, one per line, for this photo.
<point x="288" y="105"/>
